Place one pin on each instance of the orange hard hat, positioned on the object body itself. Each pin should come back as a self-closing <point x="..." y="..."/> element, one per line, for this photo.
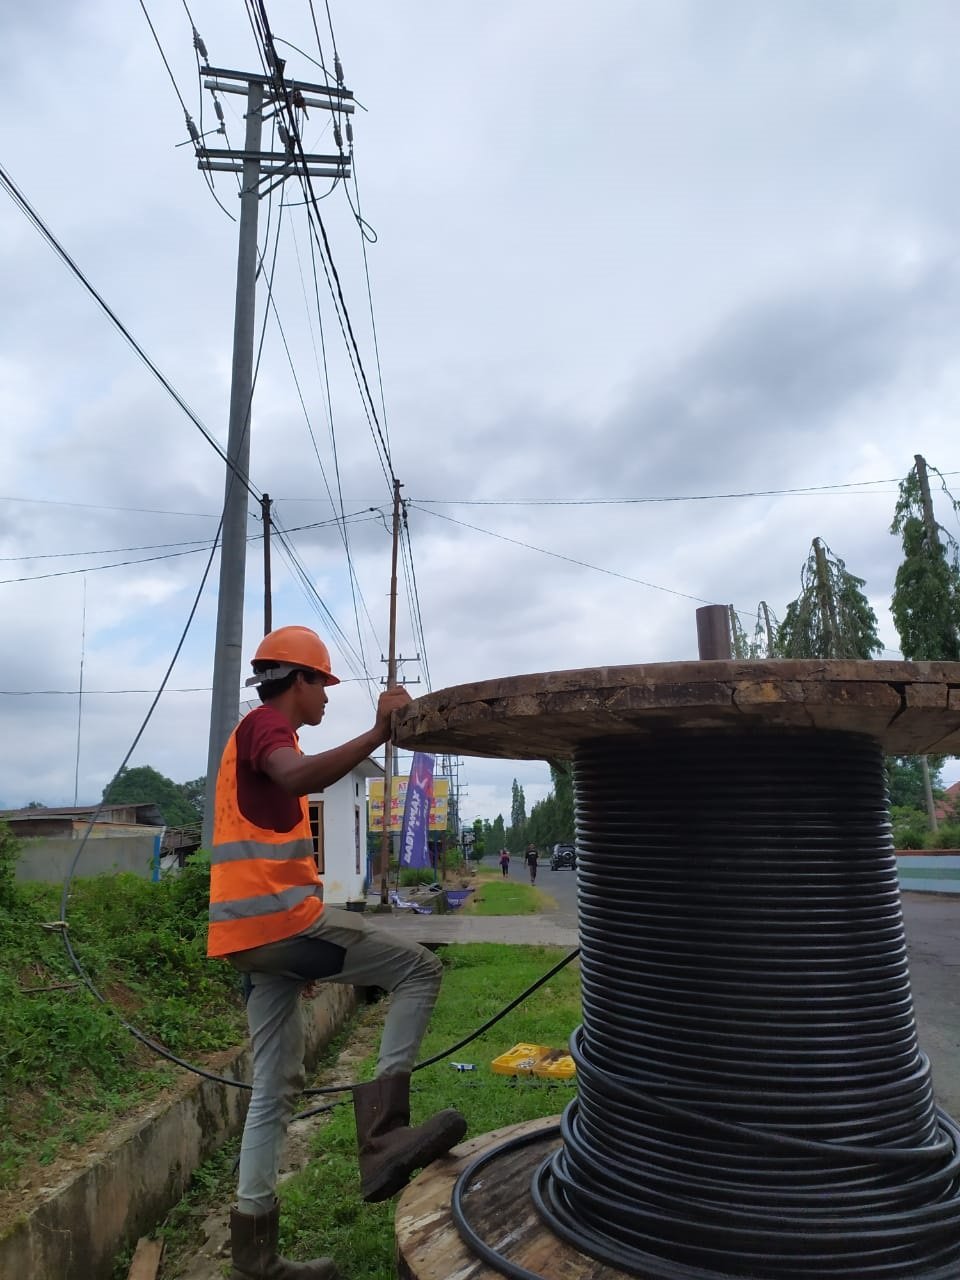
<point x="296" y="647"/>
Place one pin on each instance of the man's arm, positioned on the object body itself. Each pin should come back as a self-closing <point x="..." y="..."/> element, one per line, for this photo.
<point x="299" y="774"/>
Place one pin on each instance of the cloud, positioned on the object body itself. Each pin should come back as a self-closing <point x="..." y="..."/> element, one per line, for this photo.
<point x="674" y="249"/>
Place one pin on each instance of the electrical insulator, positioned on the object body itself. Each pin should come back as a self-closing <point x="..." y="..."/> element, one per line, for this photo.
<point x="337" y="69"/>
<point x="284" y="136"/>
<point x="193" y="130"/>
<point x="219" y="110"/>
<point x="349" y="133"/>
<point x="338" y="137"/>
<point x="198" y="44"/>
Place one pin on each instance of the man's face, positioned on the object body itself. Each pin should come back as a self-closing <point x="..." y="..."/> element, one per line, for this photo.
<point x="313" y="697"/>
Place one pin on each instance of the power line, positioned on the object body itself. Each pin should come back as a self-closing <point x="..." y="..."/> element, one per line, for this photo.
<point x="413" y="593"/>
<point x="261" y="25"/>
<point x="39" y="225"/>
<point x="106" y="551"/>
<point x="839" y="486"/>
<point x="97" y="506"/>
<point x="583" y="564"/>
<point x="682" y="497"/>
<point x="93" y="568"/>
<point x="317" y="603"/>
<point x="327" y="400"/>
<point x="361" y="517"/>
<point x="89" y="693"/>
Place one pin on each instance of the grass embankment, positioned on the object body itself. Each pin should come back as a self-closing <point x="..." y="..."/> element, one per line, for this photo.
<point x="322" y="1212"/>
<point x="68" y="1067"/>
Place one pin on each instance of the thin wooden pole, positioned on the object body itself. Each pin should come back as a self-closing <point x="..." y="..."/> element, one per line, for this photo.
<point x="391" y="684"/>
<point x="267" y="579"/>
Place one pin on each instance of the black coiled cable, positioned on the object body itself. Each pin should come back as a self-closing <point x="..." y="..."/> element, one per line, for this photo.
<point x="752" y="1099"/>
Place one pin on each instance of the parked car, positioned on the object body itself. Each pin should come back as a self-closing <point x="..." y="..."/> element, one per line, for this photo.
<point x="564" y="855"/>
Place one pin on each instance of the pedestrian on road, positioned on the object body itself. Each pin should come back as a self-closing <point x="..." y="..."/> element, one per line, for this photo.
<point x="267" y="918"/>
<point x="530" y="857"/>
<point x="504" y="862"/>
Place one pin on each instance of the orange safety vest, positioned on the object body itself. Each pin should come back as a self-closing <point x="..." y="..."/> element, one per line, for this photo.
<point x="264" y="884"/>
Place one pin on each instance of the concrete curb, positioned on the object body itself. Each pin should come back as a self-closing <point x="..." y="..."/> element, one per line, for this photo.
<point x="144" y="1167"/>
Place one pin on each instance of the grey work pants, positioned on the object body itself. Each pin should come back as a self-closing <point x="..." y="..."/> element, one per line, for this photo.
<point x="340" y="947"/>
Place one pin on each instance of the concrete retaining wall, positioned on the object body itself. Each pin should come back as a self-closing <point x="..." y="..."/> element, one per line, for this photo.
<point x="929" y="870"/>
<point x="49" y="860"/>
<point x="144" y="1167"/>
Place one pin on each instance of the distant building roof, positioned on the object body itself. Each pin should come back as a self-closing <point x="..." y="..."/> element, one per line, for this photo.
<point x="946" y="806"/>
<point x="145" y="814"/>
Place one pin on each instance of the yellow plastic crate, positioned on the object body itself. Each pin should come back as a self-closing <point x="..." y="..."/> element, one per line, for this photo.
<point x="520" y="1060"/>
<point x="556" y="1064"/>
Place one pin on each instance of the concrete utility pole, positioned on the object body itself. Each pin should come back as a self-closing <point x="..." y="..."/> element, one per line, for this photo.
<point x="255" y="167"/>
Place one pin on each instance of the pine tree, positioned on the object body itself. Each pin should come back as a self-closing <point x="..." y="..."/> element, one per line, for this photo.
<point x="517" y="831"/>
<point x="763" y="643"/>
<point x="926" y="594"/>
<point x="831" y="617"/>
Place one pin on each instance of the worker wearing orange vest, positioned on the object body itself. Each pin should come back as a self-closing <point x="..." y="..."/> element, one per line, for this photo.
<point x="267" y="918"/>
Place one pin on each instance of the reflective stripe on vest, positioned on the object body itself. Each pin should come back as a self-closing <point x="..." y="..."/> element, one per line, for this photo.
<point x="263" y="884"/>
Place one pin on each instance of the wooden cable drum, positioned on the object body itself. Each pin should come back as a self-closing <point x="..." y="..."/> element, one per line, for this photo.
<point x="752" y="1100"/>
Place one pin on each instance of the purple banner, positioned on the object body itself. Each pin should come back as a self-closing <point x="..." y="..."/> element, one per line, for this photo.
<point x="416" y="813"/>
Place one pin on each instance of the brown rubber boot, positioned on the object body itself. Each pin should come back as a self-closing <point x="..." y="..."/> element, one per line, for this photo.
<point x="390" y="1150"/>
<point x="253" y="1243"/>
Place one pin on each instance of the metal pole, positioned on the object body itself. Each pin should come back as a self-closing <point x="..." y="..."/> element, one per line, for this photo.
<point x="228" y="653"/>
<point x="713" y="632"/>
<point x="391" y="683"/>
<point x="267" y="581"/>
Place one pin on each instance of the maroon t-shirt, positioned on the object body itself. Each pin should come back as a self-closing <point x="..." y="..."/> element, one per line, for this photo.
<point x="259" y="798"/>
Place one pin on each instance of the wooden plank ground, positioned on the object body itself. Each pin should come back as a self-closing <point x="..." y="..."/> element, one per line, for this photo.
<point x="146" y="1260"/>
<point x="499" y="1209"/>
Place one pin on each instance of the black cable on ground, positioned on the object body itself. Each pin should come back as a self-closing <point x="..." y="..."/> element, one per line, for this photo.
<point x="752" y="1099"/>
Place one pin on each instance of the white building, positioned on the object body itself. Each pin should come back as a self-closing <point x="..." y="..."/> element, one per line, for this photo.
<point x="338" y="817"/>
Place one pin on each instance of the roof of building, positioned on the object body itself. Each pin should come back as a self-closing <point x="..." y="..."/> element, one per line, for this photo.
<point x="146" y="813"/>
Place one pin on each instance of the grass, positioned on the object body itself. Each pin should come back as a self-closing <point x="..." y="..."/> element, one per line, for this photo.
<point x="68" y="1067"/>
<point x="322" y="1212"/>
<point x="321" y="1209"/>
<point x="503" y="898"/>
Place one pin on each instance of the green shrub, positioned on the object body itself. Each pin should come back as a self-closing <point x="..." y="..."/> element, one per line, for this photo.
<point x="947" y="836"/>
<point x="909" y="827"/>
<point x="9" y="853"/>
<point x="143" y="946"/>
<point x="417" y="875"/>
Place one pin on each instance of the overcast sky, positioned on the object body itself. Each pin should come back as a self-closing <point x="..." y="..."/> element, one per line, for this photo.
<point x="676" y="248"/>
